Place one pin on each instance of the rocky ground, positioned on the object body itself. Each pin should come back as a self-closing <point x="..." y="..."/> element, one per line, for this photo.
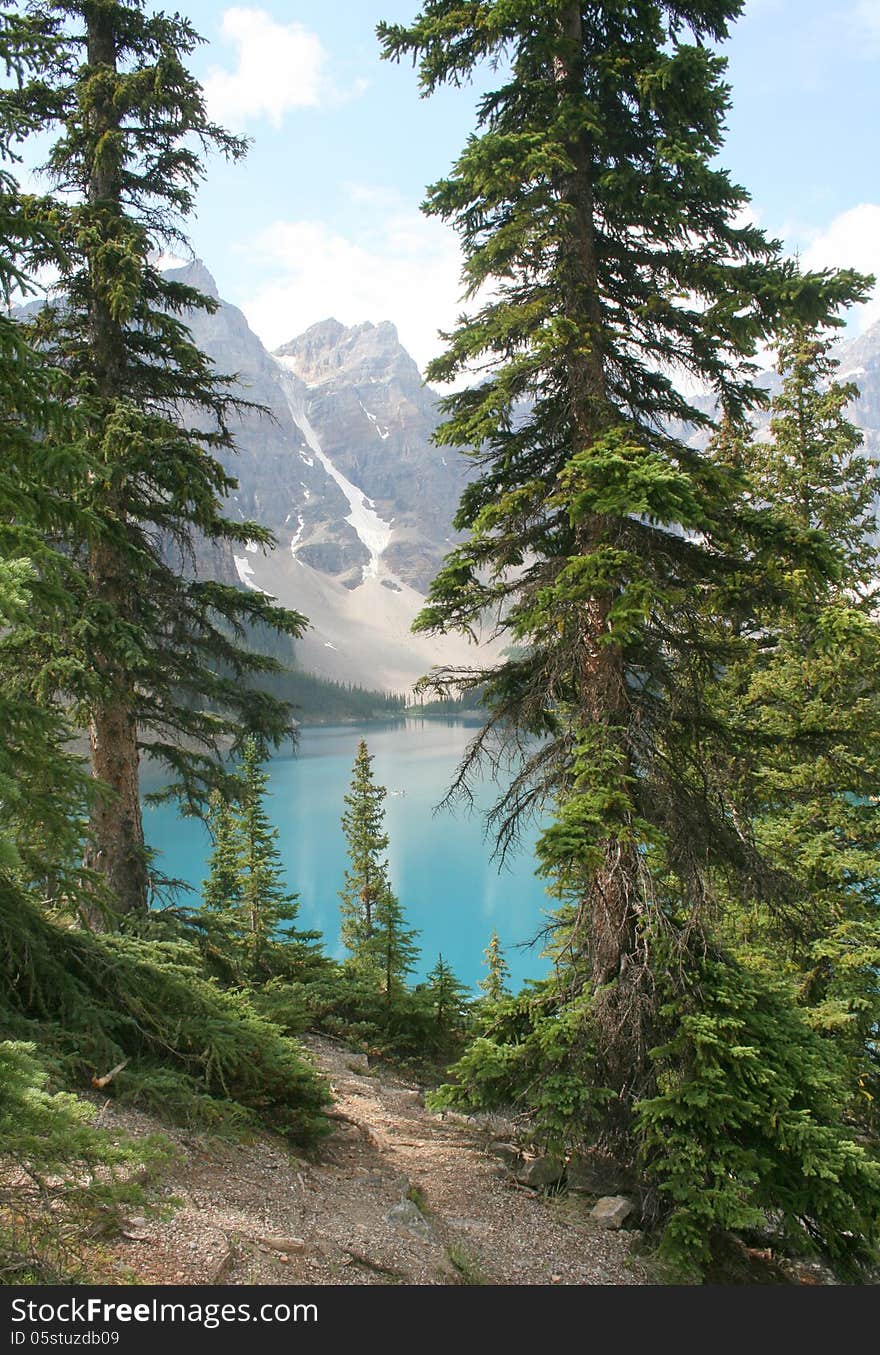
<point x="400" y="1196"/>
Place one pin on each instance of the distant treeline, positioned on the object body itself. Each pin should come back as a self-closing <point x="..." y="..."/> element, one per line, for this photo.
<point x="319" y="700"/>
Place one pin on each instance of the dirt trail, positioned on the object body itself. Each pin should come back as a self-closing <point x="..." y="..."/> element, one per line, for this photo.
<point x="401" y="1196"/>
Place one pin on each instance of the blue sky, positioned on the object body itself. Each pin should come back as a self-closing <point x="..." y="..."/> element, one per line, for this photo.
<point x="322" y="218"/>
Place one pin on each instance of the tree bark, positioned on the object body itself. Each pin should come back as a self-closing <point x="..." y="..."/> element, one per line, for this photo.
<point x="116" y="846"/>
<point x="607" y="920"/>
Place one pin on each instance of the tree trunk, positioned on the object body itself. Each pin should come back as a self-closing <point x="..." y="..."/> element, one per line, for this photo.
<point x="116" y="846"/>
<point x="607" y="920"/>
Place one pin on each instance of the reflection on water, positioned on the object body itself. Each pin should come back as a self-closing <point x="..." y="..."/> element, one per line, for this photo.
<point x="440" y="863"/>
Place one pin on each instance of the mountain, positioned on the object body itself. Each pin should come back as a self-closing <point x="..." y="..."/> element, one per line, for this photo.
<point x="345" y="474"/>
<point x="342" y="469"/>
<point x="859" y="360"/>
<point x="860" y="364"/>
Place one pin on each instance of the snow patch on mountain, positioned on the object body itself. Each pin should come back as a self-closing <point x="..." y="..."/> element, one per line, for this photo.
<point x="298" y="535"/>
<point x="373" y="531"/>
<point x="384" y="433"/>
<point x="245" y="572"/>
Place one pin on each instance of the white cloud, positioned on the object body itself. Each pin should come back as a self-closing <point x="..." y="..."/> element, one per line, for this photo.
<point x="403" y="268"/>
<point x="852" y="240"/>
<point x="867" y="16"/>
<point x="279" y="67"/>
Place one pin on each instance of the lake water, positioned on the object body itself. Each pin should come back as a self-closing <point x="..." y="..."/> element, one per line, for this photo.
<point x="441" y="866"/>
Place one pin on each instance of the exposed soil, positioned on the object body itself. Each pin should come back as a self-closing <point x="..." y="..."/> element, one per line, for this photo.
<point x="400" y="1196"/>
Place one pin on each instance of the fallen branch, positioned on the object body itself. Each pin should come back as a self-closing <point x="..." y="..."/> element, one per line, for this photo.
<point x="101" y="1082"/>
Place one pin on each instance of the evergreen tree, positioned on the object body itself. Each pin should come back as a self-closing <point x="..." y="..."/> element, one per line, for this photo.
<point x="494" y="985"/>
<point x="264" y="901"/>
<point x="589" y="203"/>
<point x="222" y="889"/>
<point x="156" y="659"/>
<point x="605" y="240"/>
<point x="43" y="789"/>
<point x="448" y="999"/>
<point x="813" y="467"/>
<point x="392" y="945"/>
<point x="807" y="686"/>
<point x="222" y="892"/>
<point x="366" y="880"/>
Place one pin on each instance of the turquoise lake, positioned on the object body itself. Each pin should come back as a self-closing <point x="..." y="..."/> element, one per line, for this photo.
<point x="440" y="862"/>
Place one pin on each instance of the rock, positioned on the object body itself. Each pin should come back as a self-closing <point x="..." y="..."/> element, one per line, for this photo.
<point x="407" y="1215"/>
<point x="541" y="1172"/>
<point x="358" y="1063"/>
<point x="612" y="1211"/>
<point x="595" y="1173"/>
<point x="508" y="1152"/>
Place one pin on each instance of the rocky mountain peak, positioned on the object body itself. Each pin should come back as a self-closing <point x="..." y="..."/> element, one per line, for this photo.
<point x="860" y="355"/>
<point x="194" y="274"/>
<point x="332" y="352"/>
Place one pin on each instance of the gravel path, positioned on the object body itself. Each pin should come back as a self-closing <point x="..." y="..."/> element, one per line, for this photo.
<point x="401" y="1196"/>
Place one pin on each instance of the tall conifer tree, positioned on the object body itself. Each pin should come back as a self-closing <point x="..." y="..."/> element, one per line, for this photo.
<point x="162" y="666"/>
<point x="264" y="900"/>
<point x="494" y="985"/>
<point x="807" y="688"/>
<point x="605" y="257"/>
<point x="366" y="879"/>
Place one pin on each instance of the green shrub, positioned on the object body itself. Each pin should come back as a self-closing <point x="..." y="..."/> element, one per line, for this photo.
<point x="91" y="1001"/>
<point x="746" y="1129"/>
<point x="64" y="1179"/>
<point x="534" y="1053"/>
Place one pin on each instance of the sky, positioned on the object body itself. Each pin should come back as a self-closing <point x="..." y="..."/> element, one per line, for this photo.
<point x="323" y="218"/>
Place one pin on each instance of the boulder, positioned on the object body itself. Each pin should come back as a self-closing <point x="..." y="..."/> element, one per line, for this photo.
<point x="509" y="1154"/>
<point x="541" y="1172"/>
<point x="612" y="1211"/>
<point x="407" y="1215"/>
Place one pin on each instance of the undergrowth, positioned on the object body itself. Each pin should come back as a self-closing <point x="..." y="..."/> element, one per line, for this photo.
<point x="197" y="1053"/>
<point x="65" y="1183"/>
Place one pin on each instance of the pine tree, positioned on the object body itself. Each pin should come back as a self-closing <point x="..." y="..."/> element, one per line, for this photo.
<point x="448" y="998"/>
<point x="605" y="258"/>
<point x="813" y="467"/>
<point x="43" y="790"/>
<point x="392" y="945"/>
<point x="494" y="985"/>
<point x="222" y="890"/>
<point x="807" y="686"/>
<point x="591" y="214"/>
<point x="156" y="659"/>
<point x="265" y="903"/>
<point x="366" y="880"/>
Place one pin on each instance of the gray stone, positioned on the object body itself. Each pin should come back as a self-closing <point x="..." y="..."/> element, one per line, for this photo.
<point x="407" y="1215"/>
<point x="612" y="1211"/>
<point x="541" y="1172"/>
<point x="508" y="1153"/>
